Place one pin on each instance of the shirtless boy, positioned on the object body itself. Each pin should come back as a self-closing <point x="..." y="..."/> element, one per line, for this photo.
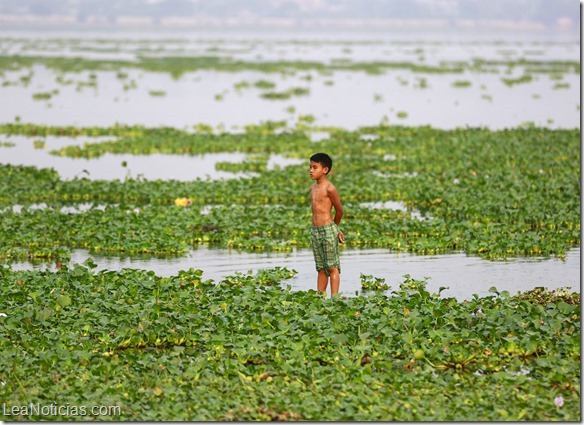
<point x="325" y="234"/>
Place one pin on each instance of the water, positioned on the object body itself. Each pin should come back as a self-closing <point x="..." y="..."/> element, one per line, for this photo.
<point x="346" y="99"/>
<point x="193" y="99"/>
<point x="463" y="275"/>
<point x="121" y="166"/>
<point x="341" y="98"/>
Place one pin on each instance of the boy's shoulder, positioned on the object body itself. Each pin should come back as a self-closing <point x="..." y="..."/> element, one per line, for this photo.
<point x="330" y="186"/>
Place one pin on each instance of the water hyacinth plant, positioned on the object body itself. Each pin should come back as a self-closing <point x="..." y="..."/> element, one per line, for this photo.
<point x="495" y="194"/>
<point x="248" y="348"/>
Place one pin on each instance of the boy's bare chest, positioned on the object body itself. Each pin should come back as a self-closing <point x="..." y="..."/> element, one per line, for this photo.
<point x="319" y="195"/>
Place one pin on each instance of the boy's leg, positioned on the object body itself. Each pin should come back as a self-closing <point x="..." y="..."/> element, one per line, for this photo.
<point x="322" y="281"/>
<point x="335" y="280"/>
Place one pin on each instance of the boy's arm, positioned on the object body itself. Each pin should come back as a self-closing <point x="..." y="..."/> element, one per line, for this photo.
<point x="336" y="201"/>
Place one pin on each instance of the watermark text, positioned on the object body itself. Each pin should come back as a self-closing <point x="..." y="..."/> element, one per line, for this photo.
<point x="54" y="409"/>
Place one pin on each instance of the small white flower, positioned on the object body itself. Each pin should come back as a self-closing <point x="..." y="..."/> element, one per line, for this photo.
<point x="3" y="315"/>
<point x="456" y="181"/>
<point x="479" y="311"/>
<point x="559" y="401"/>
<point x="541" y="171"/>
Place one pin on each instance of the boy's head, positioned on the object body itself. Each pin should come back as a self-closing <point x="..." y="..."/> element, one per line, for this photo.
<point x="324" y="160"/>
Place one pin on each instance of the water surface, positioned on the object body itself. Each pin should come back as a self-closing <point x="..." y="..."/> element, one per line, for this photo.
<point x="463" y="275"/>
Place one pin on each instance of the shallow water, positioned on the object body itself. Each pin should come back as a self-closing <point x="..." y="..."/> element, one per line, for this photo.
<point x="122" y="166"/>
<point x="347" y="99"/>
<point x="463" y="275"/>
<point x="352" y="100"/>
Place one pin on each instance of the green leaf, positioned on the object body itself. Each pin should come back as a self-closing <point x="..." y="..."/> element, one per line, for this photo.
<point x="64" y="300"/>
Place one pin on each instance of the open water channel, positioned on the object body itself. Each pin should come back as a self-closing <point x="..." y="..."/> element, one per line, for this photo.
<point x="462" y="275"/>
<point x="344" y="99"/>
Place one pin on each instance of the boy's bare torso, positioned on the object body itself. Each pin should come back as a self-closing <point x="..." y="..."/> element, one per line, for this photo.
<point x="321" y="203"/>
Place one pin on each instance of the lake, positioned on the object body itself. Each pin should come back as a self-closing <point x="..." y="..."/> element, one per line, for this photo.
<point x="349" y="99"/>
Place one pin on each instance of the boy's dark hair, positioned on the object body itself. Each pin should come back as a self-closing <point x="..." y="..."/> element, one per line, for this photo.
<point x="323" y="159"/>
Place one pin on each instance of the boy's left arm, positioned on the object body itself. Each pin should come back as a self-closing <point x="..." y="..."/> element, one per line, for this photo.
<point x="336" y="201"/>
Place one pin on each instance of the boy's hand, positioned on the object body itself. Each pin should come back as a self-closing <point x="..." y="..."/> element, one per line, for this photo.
<point x="341" y="237"/>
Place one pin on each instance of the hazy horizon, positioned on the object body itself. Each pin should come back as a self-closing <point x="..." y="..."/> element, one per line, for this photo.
<point x="527" y="15"/>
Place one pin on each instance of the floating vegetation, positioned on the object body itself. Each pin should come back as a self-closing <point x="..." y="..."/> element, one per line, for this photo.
<point x="241" y="85"/>
<point x="182" y="348"/>
<point x="264" y="84"/>
<point x="461" y="83"/>
<point x="494" y="194"/>
<point x="25" y="79"/>
<point x="559" y="86"/>
<point x="44" y="95"/>
<point x="287" y="94"/>
<point x="157" y="93"/>
<point x="246" y="166"/>
<point x="131" y="85"/>
<point x="372" y="283"/>
<point x="40" y="144"/>
<point x="487" y="97"/>
<point x="422" y="83"/>
<point x="510" y="82"/>
<point x="177" y="66"/>
<point x="402" y="114"/>
<point x="270" y="277"/>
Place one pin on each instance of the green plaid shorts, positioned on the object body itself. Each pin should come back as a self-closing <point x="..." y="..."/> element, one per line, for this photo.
<point x="325" y="245"/>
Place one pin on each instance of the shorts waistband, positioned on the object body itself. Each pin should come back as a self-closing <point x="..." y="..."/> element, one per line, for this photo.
<point x="324" y="226"/>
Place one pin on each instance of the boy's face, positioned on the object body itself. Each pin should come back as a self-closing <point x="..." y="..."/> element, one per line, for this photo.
<point x="317" y="170"/>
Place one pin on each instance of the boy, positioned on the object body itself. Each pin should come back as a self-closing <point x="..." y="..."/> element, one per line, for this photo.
<point x="325" y="235"/>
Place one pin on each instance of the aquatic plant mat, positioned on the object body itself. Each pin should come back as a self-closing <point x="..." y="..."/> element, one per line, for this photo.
<point x="144" y="347"/>
<point x="248" y="348"/>
<point x="495" y="194"/>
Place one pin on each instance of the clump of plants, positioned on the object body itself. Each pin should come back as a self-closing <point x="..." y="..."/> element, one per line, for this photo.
<point x="461" y="83"/>
<point x="157" y="93"/>
<point x="542" y="296"/>
<point x="287" y="94"/>
<point x="372" y="283"/>
<point x="520" y="197"/>
<point x="44" y="95"/>
<point x="185" y="348"/>
<point x="527" y="78"/>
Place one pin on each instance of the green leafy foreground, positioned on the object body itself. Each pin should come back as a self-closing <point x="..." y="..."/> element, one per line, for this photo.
<point x="248" y="348"/>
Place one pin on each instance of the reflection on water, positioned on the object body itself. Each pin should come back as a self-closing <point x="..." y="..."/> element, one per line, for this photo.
<point x="461" y="274"/>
